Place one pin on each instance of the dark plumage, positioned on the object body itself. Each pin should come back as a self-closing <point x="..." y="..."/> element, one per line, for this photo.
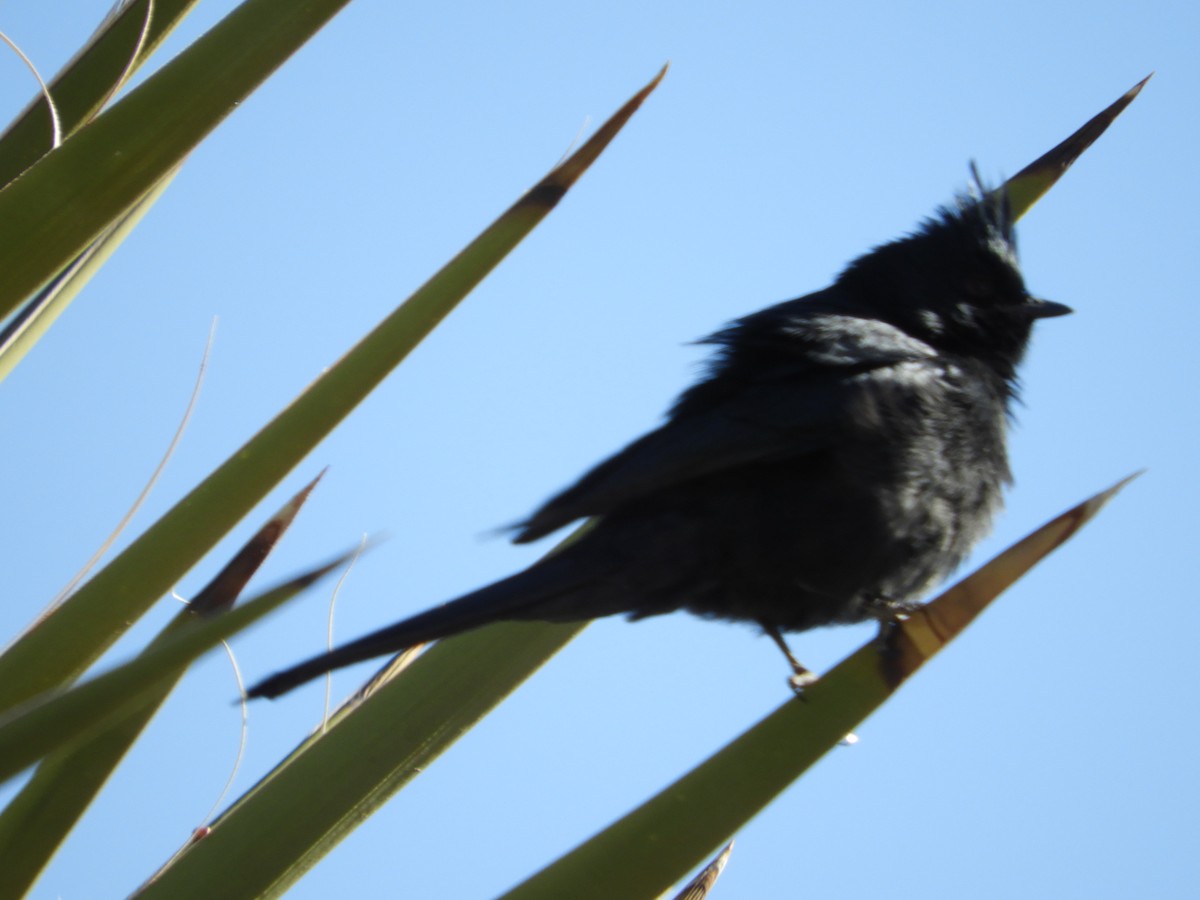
<point x="842" y="454"/>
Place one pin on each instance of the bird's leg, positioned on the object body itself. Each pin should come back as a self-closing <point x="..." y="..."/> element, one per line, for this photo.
<point x="802" y="676"/>
<point x="890" y="614"/>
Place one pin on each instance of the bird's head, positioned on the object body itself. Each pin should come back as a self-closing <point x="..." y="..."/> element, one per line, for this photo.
<point x="956" y="283"/>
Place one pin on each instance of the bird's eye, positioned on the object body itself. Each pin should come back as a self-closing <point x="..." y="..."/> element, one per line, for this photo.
<point x="978" y="290"/>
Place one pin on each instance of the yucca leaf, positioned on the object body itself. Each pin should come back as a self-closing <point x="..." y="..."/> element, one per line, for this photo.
<point x="28" y="325"/>
<point x="117" y="49"/>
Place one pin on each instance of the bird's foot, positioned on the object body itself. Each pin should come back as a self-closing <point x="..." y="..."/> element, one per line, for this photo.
<point x="889" y="614"/>
<point x="800" y="679"/>
<point x="891" y="617"/>
<point x="888" y="611"/>
<point x="801" y="676"/>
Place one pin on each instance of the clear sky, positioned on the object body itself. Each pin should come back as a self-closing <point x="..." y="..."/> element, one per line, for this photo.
<point x="1049" y="752"/>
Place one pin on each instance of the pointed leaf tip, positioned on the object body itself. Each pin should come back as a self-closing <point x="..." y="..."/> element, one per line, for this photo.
<point x="1094" y="504"/>
<point x="1137" y="88"/>
<point x="220" y="593"/>
<point x="1027" y="186"/>
<point x="929" y="628"/>
<point x="554" y="185"/>
<point x="700" y="886"/>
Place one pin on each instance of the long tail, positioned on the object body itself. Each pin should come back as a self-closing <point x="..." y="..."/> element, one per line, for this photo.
<point x="529" y="594"/>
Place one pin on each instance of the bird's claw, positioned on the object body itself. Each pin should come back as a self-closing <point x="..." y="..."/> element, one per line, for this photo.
<point x="801" y="679"/>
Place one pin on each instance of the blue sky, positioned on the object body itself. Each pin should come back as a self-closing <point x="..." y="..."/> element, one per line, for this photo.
<point x="1050" y="751"/>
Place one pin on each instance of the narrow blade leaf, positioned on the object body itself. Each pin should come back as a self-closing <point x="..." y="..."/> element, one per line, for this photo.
<point x="118" y="48"/>
<point x="1027" y="186"/>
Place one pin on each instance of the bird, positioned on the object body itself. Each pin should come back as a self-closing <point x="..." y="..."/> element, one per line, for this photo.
<point x="840" y="455"/>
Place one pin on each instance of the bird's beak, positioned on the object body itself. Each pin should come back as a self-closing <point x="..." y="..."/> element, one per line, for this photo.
<point x="1036" y="308"/>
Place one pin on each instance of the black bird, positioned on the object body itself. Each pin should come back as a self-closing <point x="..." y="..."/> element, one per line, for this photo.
<point x="843" y="453"/>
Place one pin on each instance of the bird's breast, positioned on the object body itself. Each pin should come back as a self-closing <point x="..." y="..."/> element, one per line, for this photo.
<point x="930" y="445"/>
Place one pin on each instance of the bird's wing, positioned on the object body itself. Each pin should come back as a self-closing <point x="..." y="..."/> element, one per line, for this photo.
<point x="795" y="408"/>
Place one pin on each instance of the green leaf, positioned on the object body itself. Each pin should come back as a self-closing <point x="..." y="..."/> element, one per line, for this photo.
<point x="118" y="48"/>
<point x="33" y="320"/>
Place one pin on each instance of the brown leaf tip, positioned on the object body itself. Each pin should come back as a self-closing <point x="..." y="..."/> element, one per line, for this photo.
<point x="1137" y="88"/>
<point x="546" y="194"/>
<point x="700" y="886"/>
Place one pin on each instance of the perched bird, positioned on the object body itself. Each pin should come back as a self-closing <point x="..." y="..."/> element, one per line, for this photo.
<point x="842" y="454"/>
